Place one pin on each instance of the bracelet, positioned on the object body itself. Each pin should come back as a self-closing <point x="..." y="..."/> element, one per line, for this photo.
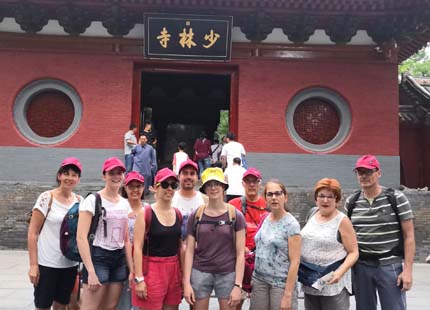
<point x="238" y="285"/>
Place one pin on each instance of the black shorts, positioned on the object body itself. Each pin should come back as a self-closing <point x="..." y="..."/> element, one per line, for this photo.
<point x="55" y="284"/>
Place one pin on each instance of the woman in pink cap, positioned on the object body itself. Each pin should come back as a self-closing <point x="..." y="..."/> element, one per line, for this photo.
<point x="106" y="260"/>
<point x="156" y="249"/>
<point x="52" y="274"/>
<point x="132" y="191"/>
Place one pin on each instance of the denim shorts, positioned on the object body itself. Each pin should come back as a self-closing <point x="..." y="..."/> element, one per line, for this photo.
<point x="110" y="266"/>
<point x="203" y="283"/>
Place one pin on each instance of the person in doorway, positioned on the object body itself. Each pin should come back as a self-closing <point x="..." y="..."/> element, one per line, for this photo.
<point x="277" y="255"/>
<point x="216" y="149"/>
<point x="106" y="260"/>
<point x="202" y="151"/>
<point x="144" y="161"/>
<point x="231" y="149"/>
<point x="157" y="255"/>
<point x="253" y="208"/>
<point x="383" y="221"/>
<point x="179" y="157"/>
<point x="53" y="275"/>
<point x="328" y="238"/>
<point x="130" y="142"/>
<point x="217" y="263"/>
<point x="151" y="137"/>
<point x="233" y="176"/>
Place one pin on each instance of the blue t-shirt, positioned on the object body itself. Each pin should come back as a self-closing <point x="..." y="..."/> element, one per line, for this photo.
<point x="271" y="255"/>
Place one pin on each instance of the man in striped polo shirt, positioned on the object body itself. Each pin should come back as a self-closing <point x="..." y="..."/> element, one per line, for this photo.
<point x="385" y="240"/>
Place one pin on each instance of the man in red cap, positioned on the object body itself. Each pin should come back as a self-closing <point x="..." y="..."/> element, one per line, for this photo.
<point x="253" y="207"/>
<point x="382" y="218"/>
<point x="187" y="198"/>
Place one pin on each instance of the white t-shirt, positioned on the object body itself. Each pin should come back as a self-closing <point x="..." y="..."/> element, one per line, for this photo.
<point x="180" y="158"/>
<point x="232" y="150"/>
<point x="186" y="206"/>
<point x="234" y="175"/>
<point x="129" y="135"/>
<point x="48" y="245"/>
<point x="116" y="222"/>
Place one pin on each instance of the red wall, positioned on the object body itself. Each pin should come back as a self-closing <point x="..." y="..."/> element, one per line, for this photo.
<point x="265" y="88"/>
<point x="103" y="82"/>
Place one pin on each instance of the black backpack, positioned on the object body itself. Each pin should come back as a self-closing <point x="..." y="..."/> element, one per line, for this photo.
<point x="397" y="250"/>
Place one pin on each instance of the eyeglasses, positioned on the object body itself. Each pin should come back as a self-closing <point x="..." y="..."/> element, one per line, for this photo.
<point x="365" y="172"/>
<point x="322" y="197"/>
<point x="165" y="185"/>
<point x="135" y="187"/>
<point x="213" y="184"/>
<point x="276" y="194"/>
<point x="253" y="181"/>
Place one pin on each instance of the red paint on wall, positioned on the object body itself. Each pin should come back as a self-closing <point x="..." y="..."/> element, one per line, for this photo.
<point x="105" y="85"/>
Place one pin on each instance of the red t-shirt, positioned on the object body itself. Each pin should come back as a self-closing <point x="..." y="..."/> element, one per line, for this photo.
<point x="254" y="213"/>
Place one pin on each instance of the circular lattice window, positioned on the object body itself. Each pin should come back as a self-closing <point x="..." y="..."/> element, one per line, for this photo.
<point x="318" y="119"/>
<point x="47" y="111"/>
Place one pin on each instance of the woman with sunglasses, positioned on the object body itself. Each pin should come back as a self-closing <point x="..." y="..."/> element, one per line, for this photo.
<point x="132" y="191"/>
<point x="157" y="249"/>
<point x="106" y="260"/>
<point x="52" y="274"/>
<point x="329" y="239"/>
<point x="215" y="250"/>
<point x="277" y="254"/>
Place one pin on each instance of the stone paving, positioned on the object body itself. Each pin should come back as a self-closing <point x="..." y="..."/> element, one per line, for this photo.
<point x="16" y="292"/>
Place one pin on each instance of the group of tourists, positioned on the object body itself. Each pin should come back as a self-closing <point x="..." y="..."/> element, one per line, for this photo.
<point x="190" y="243"/>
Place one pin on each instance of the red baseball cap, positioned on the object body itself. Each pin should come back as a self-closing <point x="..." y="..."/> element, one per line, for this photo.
<point x="72" y="161"/>
<point x="188" y="162"/>
<point x="367" y="162"/>
<point x="112" y="163"/>
<point x="164" y="174"/>
<point x="252" y="171"/>
<point x="134" y="176"/>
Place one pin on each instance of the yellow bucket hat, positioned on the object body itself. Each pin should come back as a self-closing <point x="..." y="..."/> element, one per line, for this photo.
<point x="213" y="174"/>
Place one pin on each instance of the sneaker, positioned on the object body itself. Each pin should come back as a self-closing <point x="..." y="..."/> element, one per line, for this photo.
<point x="428" y="259"/>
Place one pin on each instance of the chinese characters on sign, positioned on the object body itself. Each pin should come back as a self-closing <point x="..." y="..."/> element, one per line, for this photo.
<point x="188" y="37"/>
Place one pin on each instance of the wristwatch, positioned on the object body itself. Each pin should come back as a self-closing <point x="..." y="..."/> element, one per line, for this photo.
<point x="238" y="285"/>
<point x="138" y="280"/>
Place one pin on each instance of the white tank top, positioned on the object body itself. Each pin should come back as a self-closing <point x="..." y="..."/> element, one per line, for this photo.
<point x="321" y="247"/>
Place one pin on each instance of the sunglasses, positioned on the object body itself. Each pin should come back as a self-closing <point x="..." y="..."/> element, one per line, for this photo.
<point x="165" y="185"/>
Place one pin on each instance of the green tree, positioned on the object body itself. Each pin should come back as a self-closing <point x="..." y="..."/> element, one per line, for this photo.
<point x="418" y="64"/>
<point x="222" y="129"/>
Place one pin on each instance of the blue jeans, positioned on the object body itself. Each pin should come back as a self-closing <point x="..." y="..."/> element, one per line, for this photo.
<point x="203" y="164"/>
<point x="128" y="162"/>
<point x="383" y="278"/>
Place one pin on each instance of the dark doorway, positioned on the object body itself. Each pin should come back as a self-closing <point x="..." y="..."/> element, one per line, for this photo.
<point x="180" y="106"/>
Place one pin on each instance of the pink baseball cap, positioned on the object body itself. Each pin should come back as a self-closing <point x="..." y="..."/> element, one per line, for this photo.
<point x="112" y="163"/>
<point x="367" y="162"/>
<point x="134" y="176"/>
<point x="188" y="162"/>
<point x="72" y="161"/>
<point x="164" y="174"/>
<point x="252" y="171"/>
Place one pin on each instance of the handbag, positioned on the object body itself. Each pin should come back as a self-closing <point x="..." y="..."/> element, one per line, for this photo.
<point x="249" y="269"/>
<point x="310" y="273"/>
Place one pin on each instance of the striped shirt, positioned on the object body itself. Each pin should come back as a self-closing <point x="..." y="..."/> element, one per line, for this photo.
<point x="377" y="228"/>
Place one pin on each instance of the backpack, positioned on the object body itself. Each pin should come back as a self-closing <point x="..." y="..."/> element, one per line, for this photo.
<point x="397" y="250"/>
<point x="148" y="220"/>
<point x="231" y="220"/>
<point x="69" y="227"/>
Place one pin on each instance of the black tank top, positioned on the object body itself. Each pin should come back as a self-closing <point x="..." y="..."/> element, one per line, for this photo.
<point x="163" y="240"/>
